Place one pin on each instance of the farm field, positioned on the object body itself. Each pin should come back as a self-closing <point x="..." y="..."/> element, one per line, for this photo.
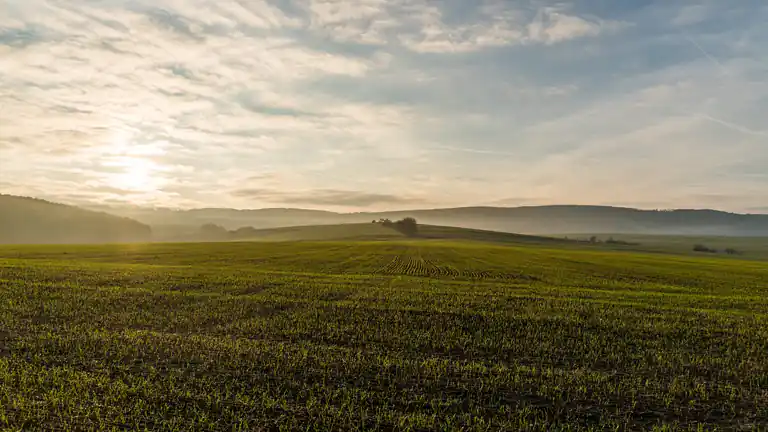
<point x="386" y="335"/>
<point x="375" y="231"/>
<point x="749" y="248"/>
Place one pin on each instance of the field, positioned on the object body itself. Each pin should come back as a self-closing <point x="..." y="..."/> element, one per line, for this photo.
<point x="388" y="335"/>
<point x="370" y="231"/>
<point x="749" y="248"/>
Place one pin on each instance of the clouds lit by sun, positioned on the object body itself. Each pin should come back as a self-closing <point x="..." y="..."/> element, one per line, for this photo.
<point x="135" y="174"/>
<point x="651" y="104"/>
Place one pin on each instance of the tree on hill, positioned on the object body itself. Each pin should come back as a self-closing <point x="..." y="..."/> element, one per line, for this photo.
<point x="702" y="248"/>
<point x="407" y="226"/>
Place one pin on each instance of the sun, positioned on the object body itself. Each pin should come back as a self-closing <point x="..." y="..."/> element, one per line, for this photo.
<point x="134" y="174"/>
<point x="131" y="166"/>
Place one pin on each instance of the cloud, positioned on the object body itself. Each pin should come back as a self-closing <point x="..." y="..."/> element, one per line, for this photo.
<point x="326" y="197"/>
<point x="691" y="14"/>
<point x="498" y="26"/>
<point x="425" y="26"/>
<point x="337" y="103"/>
<point x="366" y="22"/>
<point x="552" y="26"/>
<point x="733" y="126"/>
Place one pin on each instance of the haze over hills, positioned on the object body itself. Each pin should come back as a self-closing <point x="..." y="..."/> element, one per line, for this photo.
<point x="34" y="221"/>
<point x="554" y="219"/>
<point x="29" y="220"/>
<point x="377" y="232"/>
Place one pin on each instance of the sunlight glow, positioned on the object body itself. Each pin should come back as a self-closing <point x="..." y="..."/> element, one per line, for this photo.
<point x="131" y="165"/>
<point x="137" y="174"/>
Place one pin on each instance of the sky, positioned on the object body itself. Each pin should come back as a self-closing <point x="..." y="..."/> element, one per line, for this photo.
<point x="385" y="104"/>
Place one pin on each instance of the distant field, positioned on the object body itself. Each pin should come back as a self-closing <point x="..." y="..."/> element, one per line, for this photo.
<point x="375" y="231"/>
<point x="395" y="335"/>
<point x="748" y="247"/>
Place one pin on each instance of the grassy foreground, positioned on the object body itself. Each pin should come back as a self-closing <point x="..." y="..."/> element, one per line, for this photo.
<point x="379" y="335"/>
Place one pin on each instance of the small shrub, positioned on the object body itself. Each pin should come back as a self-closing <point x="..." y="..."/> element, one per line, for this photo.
<point x="620" y="242"/>
<point x="702" y="248"/>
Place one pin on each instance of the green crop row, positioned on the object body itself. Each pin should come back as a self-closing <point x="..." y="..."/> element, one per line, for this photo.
<point x="379" y="336"/>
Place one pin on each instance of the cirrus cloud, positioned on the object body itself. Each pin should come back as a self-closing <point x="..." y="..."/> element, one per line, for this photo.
<point x="326" y="197"/>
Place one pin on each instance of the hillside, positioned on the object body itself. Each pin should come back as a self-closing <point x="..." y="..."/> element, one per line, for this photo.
<point x="372" y="232"/>
<point x="361" y="232"/>
<point x="750" y="248"/>
<point x="29" y="220"/>
<point x="528" y="220"/>
<point x="590" y="219"/>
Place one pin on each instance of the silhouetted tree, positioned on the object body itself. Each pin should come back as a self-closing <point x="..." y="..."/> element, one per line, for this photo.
<point x="702" y="248"/>
<point x="613" y="241"/>
<point x="407" y="226"/>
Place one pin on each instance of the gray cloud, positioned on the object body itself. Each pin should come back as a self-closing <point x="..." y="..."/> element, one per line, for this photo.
<point x="20" y="37"/>
<point x="326" y="197"/>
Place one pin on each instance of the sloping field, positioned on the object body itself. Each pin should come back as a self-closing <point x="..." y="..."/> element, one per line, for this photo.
<point x="367" y="231"/>
<point x="408" y="335"/>
<point x="375" y="231"/>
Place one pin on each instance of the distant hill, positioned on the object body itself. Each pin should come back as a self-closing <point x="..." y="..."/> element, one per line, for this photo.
<point x="596" y="219"/>
<point x="168" y="224"/>
<point x="29" y="220"/>
<point x="375" y="232"/>
<point x="528" y="220"/>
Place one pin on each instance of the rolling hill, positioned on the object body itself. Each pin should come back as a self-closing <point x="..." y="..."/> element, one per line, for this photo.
<point x="29" y="220"/>
<point x="528" y="220"/>
<point x="371" y="231"/>
<point x="747" y="248"/>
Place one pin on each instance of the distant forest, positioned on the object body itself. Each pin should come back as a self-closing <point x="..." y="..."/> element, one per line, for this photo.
<point x="29" y="220"/>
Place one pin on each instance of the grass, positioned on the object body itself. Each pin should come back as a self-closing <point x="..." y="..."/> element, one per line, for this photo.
<point x="358" y="232"/>
<point x="750" y="248"/>
<point x="395" y="335"/>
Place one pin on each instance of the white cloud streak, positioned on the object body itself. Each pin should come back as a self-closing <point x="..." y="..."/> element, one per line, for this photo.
<point x="709" y="56"/>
